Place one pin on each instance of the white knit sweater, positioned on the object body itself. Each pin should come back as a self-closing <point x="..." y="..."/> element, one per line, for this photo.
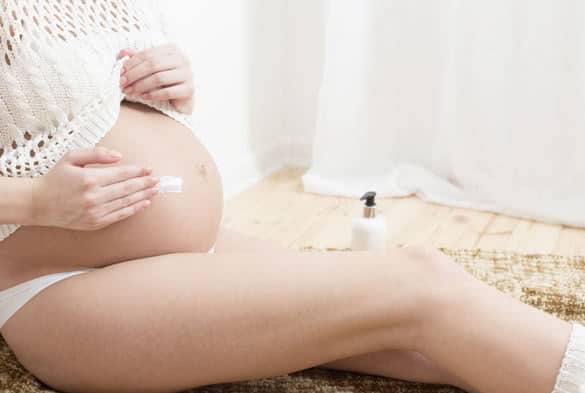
<point x="59" y="76"/>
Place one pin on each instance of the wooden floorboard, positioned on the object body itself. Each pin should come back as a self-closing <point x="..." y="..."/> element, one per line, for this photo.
<point x="277" y="208"/>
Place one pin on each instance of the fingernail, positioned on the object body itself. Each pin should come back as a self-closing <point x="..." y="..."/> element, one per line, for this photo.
<point x="115" y="153"/>
<point x="146" y="203"/>
<point x="146" y="96"/>
<point x="155" y="180"/>
<point x="123" y="81"/>
<point x="149" y="170"/>
<point x="122" y="71"/>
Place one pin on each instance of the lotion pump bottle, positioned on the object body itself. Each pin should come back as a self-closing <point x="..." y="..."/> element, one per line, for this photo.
<point x="369" y="229"/>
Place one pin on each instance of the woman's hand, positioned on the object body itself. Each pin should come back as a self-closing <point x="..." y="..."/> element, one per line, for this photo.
<point x="74" y="197"/>
<point x="159" y="73"/>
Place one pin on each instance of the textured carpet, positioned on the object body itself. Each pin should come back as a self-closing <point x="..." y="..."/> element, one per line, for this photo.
<point x="552" y="283"/>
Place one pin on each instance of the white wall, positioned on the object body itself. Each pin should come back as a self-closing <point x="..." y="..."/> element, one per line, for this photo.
<point x="257" y="65"/>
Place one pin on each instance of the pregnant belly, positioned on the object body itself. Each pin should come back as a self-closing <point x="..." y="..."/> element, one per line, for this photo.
<point x="182" y="222"/>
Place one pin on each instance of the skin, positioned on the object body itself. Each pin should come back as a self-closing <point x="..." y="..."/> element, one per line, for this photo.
<point x="73" y="197"/>
<point x="405" y="365"/>
<point x="159" y="73"/>
<point x="95" y="198"/>
<point x="195" y="214"/>
<point x="162" y="315"/>
<point x="142" y="325"/>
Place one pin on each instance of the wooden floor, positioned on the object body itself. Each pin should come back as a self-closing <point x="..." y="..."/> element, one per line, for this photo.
<point x="278" y="209"/>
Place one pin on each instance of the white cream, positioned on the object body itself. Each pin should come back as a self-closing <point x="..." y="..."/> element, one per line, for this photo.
<point x="170" y="184"/>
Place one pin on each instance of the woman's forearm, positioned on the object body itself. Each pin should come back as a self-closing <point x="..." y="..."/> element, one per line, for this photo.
<point x="16" y="200"/>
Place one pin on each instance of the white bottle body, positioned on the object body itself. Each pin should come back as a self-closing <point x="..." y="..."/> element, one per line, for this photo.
<point x="369" y="234"/>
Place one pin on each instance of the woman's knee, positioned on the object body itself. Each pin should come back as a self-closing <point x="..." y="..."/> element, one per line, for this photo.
<point x="433" y="274"/>
<point x="431" y="262"/>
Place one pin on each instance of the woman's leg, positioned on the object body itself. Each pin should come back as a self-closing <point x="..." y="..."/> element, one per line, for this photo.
<point x="493" y="342"/>
<point x="176" y="321"/>
<point x="405" y="365"/>
<point x="479" y="322"/>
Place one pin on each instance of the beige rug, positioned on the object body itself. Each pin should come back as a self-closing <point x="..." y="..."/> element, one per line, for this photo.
<point x="553" y="283"/>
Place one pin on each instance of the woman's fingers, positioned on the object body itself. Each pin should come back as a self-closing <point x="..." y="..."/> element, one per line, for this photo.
<point x="112" y="175"/>
<point x="160" y="79"/>
<point x="124" y="213"/>
<point x="159" y="73"/>
<point x="96" y="155"/>
<point x="125" y="188"/>
<point x="125" y="52"/>
<point x="129" y="200"/>
<point x="183" y="90"/>
<point x="150" y="53"/>
<point x="149" y="66"/>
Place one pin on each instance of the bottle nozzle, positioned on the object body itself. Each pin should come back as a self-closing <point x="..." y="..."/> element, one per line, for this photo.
<point x="370" y="206"/>
<point x="370" y="198"/>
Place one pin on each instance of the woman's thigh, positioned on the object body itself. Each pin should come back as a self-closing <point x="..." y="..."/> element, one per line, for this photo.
<point x="176" y="321"/>
<point x="406" y="365"/>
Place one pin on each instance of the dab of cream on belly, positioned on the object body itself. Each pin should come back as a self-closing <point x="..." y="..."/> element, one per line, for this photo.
<point x="170" y="184"/>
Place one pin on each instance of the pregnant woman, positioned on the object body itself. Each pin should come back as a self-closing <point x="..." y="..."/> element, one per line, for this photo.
<point x="109" y="285"/>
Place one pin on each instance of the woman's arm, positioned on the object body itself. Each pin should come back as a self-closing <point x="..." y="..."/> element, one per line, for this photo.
<point x="16" y="200"/>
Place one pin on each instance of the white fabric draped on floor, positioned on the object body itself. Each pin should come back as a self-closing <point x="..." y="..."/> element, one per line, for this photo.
<point x="477" y="104"/>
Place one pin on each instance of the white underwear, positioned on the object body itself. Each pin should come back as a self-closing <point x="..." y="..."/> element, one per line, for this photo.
<point x="13" y="298"/>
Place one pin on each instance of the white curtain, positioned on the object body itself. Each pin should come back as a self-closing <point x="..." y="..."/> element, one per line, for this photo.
<point x="478" y="104"/>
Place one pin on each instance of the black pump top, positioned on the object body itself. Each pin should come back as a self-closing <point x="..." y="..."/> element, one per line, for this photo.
<point x="370" y="198"/>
